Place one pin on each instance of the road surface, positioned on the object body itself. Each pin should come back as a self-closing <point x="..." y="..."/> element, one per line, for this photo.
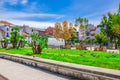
<point x="16" y="71"/>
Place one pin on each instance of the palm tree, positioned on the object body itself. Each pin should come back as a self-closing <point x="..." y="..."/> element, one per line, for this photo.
<point x="15" y="36"/>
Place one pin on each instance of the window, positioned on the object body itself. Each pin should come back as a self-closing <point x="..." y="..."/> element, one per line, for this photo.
<point x="7" y="35"/>
<point x="11" y="29"/>
<point x="7" y="29"/>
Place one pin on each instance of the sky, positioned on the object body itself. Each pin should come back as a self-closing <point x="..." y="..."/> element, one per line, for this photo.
<point x="44" y="13"/>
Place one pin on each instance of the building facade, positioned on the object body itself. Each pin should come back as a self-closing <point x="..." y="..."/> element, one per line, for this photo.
<point x="92" y="30"/>
<point x="6" y="27"/>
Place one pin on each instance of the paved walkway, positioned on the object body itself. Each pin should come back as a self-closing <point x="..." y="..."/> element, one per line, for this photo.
<point x="16" y="71"/>
<point x="3" y="78"/>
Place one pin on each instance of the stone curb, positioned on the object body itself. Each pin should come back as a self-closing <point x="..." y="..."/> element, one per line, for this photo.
<point x="69" y="69"/>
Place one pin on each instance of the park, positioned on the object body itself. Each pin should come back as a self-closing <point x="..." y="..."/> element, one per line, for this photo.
<point x="89" y="50"/>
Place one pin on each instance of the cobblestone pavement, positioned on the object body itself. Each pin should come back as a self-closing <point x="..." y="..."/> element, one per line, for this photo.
<point x="16" y="71"/>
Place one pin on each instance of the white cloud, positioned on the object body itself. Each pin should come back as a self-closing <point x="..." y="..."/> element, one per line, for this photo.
<point x="12" y="15"/>
<point x="24" y="1"/>
<point x="35" y="24"/>
<point x="95" y="22"/>
<point x="13" y="2"/>
<point x="95" y="18"/>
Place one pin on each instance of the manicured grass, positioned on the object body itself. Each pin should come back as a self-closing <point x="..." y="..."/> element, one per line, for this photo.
<point x="91" y="58"/>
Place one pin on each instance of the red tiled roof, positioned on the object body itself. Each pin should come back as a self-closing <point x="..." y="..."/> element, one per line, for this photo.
<point x="5" y="22"/>
<point x="49" y="31"/>
<point x="24" y="34"/>
<point x="93" y="29"/>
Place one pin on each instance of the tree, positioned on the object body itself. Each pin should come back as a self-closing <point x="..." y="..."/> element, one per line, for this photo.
<point x="22" y="41"/>
<point x="57" y="31"/>
<point x="100" y="38"/>
<point x="106" y="27"/>
<point x="72" y="32"/>
<point x="87" y="40"/>
<point x="39" y="42"/>
<point x="64" y="31"/>
<point x="36" y="47"/>
<point x="15" y="36"/>
<point x="110" y="26"/>
<point x="116" y="27"/>
<point x="116" y="24"/>
<point x="82" y="23"/>
<point x="4" y="42"/>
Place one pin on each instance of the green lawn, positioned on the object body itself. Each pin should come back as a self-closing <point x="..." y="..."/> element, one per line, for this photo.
<point x="92" y="58"/>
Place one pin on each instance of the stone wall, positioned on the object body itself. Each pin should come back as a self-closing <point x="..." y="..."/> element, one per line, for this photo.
<point x="69" y="69"/>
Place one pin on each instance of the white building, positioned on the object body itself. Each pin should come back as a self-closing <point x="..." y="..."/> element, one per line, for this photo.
<point x="55" y="42"/>
<point x="6" y="27"/>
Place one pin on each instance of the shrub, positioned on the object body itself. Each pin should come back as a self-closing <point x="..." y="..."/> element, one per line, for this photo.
<point x="78" y="47"/>
<point x="67" y="47"/>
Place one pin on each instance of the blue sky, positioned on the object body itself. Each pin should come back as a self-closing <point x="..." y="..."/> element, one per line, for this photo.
<point x="44" y="13"/>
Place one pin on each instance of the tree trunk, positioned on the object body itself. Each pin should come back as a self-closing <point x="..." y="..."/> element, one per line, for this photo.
<point x="2" y="44"/>
<point x="109" y="44"/>
<point x="20" y="44"/>
<point x="5" y="44"/>
<point x="100" y="45"/>
<point x="39" y="49"/>
<point x="65" y="42"/>
<point x="14" y="42"/>
<point x="115" y="45"/>
<point x="119" y="47"/>
<point x="34" y="48"/>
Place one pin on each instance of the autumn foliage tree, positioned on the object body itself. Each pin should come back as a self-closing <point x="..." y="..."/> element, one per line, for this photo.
<point x="64" y="31"/>
<point x="72" y="32"/>
<point x="58" y="32"/>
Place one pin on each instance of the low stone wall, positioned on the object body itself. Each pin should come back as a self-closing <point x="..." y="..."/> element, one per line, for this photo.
<point x="69" y="69"/>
